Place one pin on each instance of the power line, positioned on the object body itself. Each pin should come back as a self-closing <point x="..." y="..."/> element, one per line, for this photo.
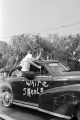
<point x="64" y="26"/>
<point x="59" y="27"/>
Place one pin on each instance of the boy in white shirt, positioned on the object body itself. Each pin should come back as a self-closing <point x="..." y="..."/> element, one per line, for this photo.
<point x="27" y="60"/>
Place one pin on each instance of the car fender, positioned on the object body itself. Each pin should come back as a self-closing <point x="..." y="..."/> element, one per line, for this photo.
<point x="6" y="87"/>
<point x="46" y="99"/>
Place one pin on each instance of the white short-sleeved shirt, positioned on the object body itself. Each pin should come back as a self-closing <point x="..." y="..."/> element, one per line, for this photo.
<point x="25" y="63"/>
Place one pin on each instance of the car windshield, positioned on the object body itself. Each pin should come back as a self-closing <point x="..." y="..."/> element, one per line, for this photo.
<point x="57" y="68"/>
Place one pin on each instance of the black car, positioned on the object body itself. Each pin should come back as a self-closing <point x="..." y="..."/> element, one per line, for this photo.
<point x="52" y="89"/>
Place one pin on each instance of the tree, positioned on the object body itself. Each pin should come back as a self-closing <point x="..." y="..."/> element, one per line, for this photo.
<point x="54" y="46"/>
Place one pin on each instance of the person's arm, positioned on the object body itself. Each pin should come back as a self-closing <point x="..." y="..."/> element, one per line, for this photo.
<point x="31" y="62"/>
<point x="38" y="57"/>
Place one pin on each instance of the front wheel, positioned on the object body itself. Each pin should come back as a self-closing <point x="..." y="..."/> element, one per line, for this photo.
<point x="7" y="99"/>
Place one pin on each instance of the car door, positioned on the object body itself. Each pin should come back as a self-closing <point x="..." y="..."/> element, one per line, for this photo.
<point x="32" y="88"/>
<point x="28" y="90"/>
<point x="17" y="88"/>
<point x="17" y="84"/>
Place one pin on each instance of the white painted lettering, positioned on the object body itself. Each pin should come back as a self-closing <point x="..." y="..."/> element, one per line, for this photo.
<point x="45" y="84"/>
<point x="24" y="89"/>
<point x="29" y="92"/>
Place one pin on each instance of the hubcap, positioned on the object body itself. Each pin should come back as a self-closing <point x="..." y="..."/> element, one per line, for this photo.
<point x="7" y="99"/>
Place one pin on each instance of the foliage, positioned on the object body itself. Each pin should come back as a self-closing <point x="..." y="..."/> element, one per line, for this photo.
<point x="54" y="46"/>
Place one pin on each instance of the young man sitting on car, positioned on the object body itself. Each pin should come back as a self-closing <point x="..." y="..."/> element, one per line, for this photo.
<point x="25" y="64"/>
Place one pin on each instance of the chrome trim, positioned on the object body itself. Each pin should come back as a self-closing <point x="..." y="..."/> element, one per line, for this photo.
<point x="42" y="110"/>
<point x="25" y="103"/>
<point x="54" y="114"/>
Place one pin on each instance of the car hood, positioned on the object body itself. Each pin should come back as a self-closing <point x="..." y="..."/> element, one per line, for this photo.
<point x="73" y="75"/>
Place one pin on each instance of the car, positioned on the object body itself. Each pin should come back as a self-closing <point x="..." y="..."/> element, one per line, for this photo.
<point x="52" y="89"/>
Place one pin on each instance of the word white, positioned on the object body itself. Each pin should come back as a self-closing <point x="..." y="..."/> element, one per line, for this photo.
<point x="36" y="83"/>
<point x="29" y="92"/>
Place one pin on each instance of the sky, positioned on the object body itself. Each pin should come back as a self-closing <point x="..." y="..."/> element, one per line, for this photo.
<point x="39" y="16"/>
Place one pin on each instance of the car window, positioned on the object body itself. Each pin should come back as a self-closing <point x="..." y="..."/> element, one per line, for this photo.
<point x="42" y="71"/>
<point x="57" y="67"/>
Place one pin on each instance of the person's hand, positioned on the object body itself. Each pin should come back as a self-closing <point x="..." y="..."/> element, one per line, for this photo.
<point x="39" y="67"/>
